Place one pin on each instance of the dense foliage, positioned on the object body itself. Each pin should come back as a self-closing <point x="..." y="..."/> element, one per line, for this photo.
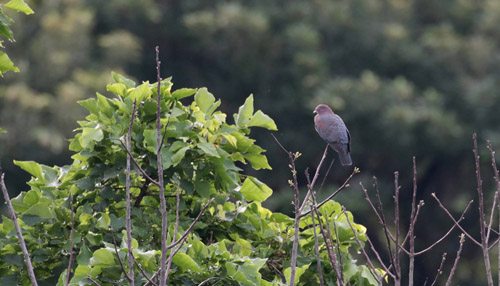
<point x="236" y="241"/>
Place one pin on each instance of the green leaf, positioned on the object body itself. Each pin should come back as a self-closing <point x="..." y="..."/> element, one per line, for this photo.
<point x="254" y="190"/>
<point x="3" y="130"/>
<point x="209" y="149"/>
<point x="89" y="135"/>
<point x="91" y="105"/>
<point x="31" y="167"/>
<point x="102" y="256"/>
<point x="117" y="88"/>
<point x="260" y="119"/>
<point x="258" y="161"/>
<point x="183" y="92"/>
<point x="245" y="112"/>
<point x="121" y="79"/>
<point x="141" y="92"/>
<point x="41" y="209"/>
<point x="31" y="198"/>
<point x="186" y="262"/>
<point x="204" y="99"/>
<point x="5" y="63"/>
<point x="19" y="6"/>
<point x="84" y="256"/>
<point x="177" y="157"/>
<point x="298" y="272"/>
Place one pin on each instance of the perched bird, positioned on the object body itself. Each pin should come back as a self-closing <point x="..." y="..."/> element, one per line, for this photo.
<point x="332" y="129"/>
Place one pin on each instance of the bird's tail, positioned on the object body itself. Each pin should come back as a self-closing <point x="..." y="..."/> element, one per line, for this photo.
<point x="345" y="159"/>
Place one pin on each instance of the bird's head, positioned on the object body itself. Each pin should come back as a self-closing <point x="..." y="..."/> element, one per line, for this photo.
<point x="322" y="108"/>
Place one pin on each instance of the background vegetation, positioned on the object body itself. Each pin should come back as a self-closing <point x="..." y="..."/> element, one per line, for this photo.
<point x="408" y="77"/>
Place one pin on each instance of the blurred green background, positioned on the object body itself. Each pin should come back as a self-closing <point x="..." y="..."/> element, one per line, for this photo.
<point x="409" y="78"/>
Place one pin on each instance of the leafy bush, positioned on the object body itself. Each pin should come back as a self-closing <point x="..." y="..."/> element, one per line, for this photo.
<point x="236" y="241"/>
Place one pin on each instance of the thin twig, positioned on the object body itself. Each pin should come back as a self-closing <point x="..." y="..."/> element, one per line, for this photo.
<point x="387" y="270"/>
<point x="137" y="163"/>
<point x="497" y="182"/>
<point x="163" y="203"/>
<point x="372" y="268"/>
<point x="13" y="216"/>
<point x="143" y="272"/>
<point x="482" y="223"/>
<point x="93" y="281"/>
<point x="127" y="190"/>
<point x="316" y="243"/>
<point x="454" y="221"/>
<point x="311" y="185"/>
<point x="440" y="270"/>
<point x="449" y="231"/>
<point x="411" y="231"/>
<point x="118" y="255"/>
<point x="183" y="239"/>
<point x="331" y="254"/>
<point x="452" y="272"/>
<point x="344" y="185"/>
<point x="68" y="272"/>
<point x="397" y="265"/>
<point x="192" y="224"/>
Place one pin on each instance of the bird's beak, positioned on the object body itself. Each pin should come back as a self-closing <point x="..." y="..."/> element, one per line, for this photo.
<point x="315" y="111"/>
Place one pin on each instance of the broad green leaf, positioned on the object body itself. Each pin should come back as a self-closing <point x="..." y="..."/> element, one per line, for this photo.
<point x="185" y="262"/>
<point x="117" y="88"/>
<point x="258" y="161"/>
<point x="31" y="167"/>
<point x="254" y="190"/>
<point x="89" y="135"/>
<point x="177" y="157"/>
<point x="204" y="99"/>
<point x="104" y="221"/>
<point x="245" y="112"/>
<point x="260" y="119"/>
<point x="243" y="247"/>
<point x="31" y="197"/>
<point x="141" y="92"/>
<point x="298" y="272"/>
<point x="20" y="6"/>
<point x="91" y="105"/>
<point x="83" y="258"/>
<point x="183" y="92"/>
<point x="81" y="273"/>
<point x="6" y="64"/>
<point x="209" y="149"/>
<point x="202" y="188"/>
<point x="102" y="256"/>
<point x="41" y="209"/>
<point x="121" y="79"/>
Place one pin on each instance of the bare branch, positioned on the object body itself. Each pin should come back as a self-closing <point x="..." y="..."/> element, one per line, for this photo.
<point x="440" y="269"/>
<point x="163" y="203"/>
<point x="372" y="268"/>
<point x="117" y="255"/>
<point x="454" y="221"/>
<point x="143" y="272"/>
<point x="411" y="231"/>
<point x="482" y="223"/>
<point x="449" y="231"/>
<point x="137" y="163"/>
<point x="316" y="243"/>
<point x="93" y="281"/>
<point x="397" y="264"/>
<point x="127" y="190"/>
<point x="13" y="216"/>
<point x="344" y="185"/>
<point x="497" y="182"/>
<point x="452" y="272"/>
